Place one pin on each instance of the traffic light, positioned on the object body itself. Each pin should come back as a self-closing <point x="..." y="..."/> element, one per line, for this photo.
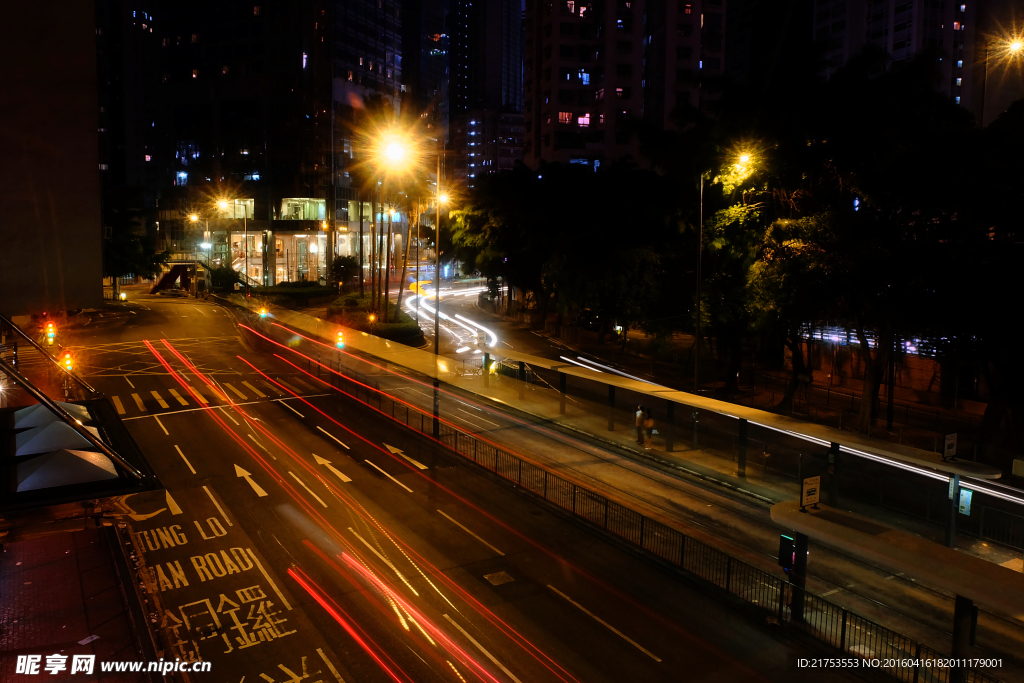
<point x="341" y="339"/>
<point x="263" y="313"/>
<point x="787" y="552"/>
<point x="51" y="333"/>
<point x="69" y="361"/>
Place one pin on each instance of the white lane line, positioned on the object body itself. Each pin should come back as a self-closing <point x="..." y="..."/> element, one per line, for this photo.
<point x="254" y="389"/>
<point x="481" y="648"/>
<point x="303" y="484"/>
<point x="185" y="459"/>
<point x="388" y="476"/>
<point x="117" y="404"/>
<point x="224" y="410"/>
<point x="129" y="382"/>
<point x="267" y="577"/>
<point x="281" y="401"/>
<point x="472" y="534"/>
<point x="330" y="666"/>
<point x="421" y="393"/>
<point x="160" y="399"/>
<point x="161" y="425"/>
<point x="333" y="437"/>
<point x="479" y="418"/>
<point x="469" y="422"/>
<point x="221" y="511"/>
<point x="261" y="445"/>
<point x="382" y="558"/>
<point x="605" y="623"/>
<point x="177" y="397"/>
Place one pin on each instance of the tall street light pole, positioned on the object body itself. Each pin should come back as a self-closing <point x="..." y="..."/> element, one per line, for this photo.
<point x="700" y="251"/>
<point x="441" y="198"/>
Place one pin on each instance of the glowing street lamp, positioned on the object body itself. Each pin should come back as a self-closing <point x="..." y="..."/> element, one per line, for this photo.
<point x="1005" y="50"/>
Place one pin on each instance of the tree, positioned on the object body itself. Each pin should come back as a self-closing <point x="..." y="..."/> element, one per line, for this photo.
<point x="129" y="251"/>
<point x="344" y="269"/>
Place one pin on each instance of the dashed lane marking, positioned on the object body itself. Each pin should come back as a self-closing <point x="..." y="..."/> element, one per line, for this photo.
<point x="333" y="437"/>
<point x="185" y="459"/>
<point x="117" y="404"/>
<point x="177" y="396"/>
<point x="239" y="393"/>
<point x="254" y="389"/>
<point x="303" y="485"/>
<point x="388" y="476"/>
<point x="139" y="403"/>
<point x="159" y="399"/>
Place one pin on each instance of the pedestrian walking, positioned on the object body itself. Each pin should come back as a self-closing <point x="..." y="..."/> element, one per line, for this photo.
<point x="641" y="415"/>
<point x="649" y="426"/>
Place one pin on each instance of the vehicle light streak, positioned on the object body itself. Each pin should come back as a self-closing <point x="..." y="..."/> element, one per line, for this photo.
<point x="570" y="360"/>
<point x="336" y="612"/>
<point x="496" y="621"/>
<point x="494" y="337"/>
<point x="617" y="372"/>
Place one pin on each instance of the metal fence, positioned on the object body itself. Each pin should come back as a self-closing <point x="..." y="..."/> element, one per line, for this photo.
<point x="899" y="656"/>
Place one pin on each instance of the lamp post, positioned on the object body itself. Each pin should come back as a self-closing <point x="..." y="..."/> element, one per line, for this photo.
<point x="1011" y="48"/>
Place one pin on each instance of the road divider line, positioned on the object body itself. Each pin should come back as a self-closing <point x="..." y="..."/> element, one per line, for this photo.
<point x="472" y="534"/>
<point x="219" y="508"/>
<point x="161" y="425"/>
<point x="478" y="417"/>
<point x="177" y="397"/>
<point x="269" y="580"/>
<point x="481" y="648"/>
<point x="303" y="485"/>
<point x="281" y="401"/>
<point x="185" y="459"/>
<point x="333" y="437"/>
<point x="232" y="388"/>
<point x="139" y="403"/>
<point x="255" y="441"/>
<point x="159" y="399"/>
<point x="129" y="382"/>
<point x="254" y="389"/>
<point x="605" y="624"/>
<point x="388" y="476"/>
<point x="117" y="405"/>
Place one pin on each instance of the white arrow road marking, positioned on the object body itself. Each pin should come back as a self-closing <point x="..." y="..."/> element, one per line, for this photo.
<point x="398" y="451"/>
<point x="333" y="437"/>
<point x="172" y="505"/>
<point x="325" y="461"/>
<point x="303" y="484"/>
<point x="239" y="472"/>
<point x="388" y="476"/>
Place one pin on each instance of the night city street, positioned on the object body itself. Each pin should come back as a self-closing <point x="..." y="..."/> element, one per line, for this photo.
<point x="512" y="341"/>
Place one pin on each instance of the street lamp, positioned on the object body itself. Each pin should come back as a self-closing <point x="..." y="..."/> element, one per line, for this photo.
<point x="743" y="158"/>
<point x="1007" y="50"/>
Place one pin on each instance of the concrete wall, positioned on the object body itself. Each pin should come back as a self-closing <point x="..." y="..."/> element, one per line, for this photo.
<point x="50" y="234"/>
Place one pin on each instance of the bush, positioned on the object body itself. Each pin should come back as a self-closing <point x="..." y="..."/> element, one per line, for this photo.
<point x="353" y="311"/>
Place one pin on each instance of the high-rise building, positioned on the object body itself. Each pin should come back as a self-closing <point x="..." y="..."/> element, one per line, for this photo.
<point x="486" y="86"/>
<point x="597" y="67"/>
<point x="50" y="178"/>
<point x="254" y="102"/>
<point x="425" y="54"/>
<point x="904" y="29"/>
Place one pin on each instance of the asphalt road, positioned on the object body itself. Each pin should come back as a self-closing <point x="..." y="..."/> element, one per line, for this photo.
<point x="303" y="535"/>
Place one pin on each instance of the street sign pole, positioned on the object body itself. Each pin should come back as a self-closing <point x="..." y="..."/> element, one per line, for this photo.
<point x="952" y="509"/>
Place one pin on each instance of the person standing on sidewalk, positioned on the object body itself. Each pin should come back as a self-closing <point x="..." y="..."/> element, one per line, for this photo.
<point x="649" y="427"/>
<point x="639" y="418"/>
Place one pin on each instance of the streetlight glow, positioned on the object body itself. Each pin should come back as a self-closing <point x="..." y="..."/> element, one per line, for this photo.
<point x="443" y="198"/>
<point x="193" y="217"/>
<point x="744" y="158"/>
<point x="1016" y="45"/>
<point x="223" y="205"/>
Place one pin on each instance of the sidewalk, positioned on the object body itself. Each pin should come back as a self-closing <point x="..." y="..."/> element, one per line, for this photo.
<point x="61" y="595"/>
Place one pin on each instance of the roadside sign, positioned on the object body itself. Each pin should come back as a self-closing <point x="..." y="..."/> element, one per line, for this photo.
<point x="952" y="487"/>
<point x="965" y="501"/>
<point x="949" y="447"/>
<point x="810" y="490"/>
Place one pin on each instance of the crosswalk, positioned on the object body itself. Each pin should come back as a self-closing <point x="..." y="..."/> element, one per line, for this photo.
<point x="139" y="402"/>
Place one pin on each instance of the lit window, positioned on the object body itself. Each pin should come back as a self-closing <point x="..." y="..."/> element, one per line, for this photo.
<point x="350" y="75"/>
<point x="959" y="63"/>
<point x="195" y="38"/>
<point x="195" y="73"/>
<point x="149" y="158"/>
<point x="360" y="61"/>
<point x="571" y="5"/>
<point x="956" y="25"/>
<point x="959" y="82"/>
<point x="618" y="22"/>
<point x="256" y="10"/>
<point x="565" y="117"/>
<point x="224" y="70"/>
<point x="599" y="94"/>
<point x="584" y="77"/>
<point x="584" y="120"/>
<point x="963" y="8"/>
<point x="600" y="118"/>
<point x="303" y="60"/>
<point x="618" y="92"/>
<point x="958" y="99"/>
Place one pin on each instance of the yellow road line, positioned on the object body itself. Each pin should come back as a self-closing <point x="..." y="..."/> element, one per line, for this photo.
<point x="117" y="404"/>
<point x="232" y="388"/>
<point x="139" y="403"/>
<point x="254" y="390"/>
<point x="160" y="399"/>
<point x="176" y="395"/>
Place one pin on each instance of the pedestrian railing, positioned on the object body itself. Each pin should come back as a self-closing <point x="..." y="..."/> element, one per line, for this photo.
<point x="876" y="646"/>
